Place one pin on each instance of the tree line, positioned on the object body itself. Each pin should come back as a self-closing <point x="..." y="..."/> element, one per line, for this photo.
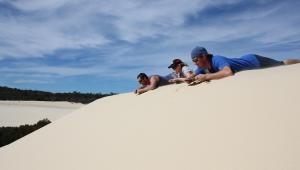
<point x="11" y="134"/>
<point x="7" y="93"/>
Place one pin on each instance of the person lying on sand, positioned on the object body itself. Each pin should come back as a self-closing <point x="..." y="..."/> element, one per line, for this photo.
<point x="150" y="83"/>
<point x="220" y="66"/>
<point x="181" y="72"/>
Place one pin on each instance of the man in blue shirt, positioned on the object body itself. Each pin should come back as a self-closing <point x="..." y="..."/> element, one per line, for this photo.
<point x="212" y="67"/>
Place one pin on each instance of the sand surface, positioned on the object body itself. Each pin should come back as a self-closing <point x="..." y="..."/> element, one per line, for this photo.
<point x="15" y="113"/>
<point x="249" y="121"/>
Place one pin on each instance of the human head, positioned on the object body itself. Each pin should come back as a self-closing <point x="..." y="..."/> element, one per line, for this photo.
<point x="200" y="57"/>
<point x="143" y="79"/>
<point x="177" y="65"/>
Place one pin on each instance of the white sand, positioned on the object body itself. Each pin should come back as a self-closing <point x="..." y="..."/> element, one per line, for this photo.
<point x="246" y="122"/>
<point x="15" y="113"/>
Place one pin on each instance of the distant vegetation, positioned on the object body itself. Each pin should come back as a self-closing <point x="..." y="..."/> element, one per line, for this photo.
<point x="7" y="93"/>
<point x="11" y="134"/>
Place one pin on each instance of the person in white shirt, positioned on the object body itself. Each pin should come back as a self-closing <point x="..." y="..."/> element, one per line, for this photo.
<point x="182" y="73"/>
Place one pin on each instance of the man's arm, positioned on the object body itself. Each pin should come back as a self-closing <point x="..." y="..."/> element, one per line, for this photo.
<point x="215" y="76"/>
<point x="138" y="89"/>
<point x="188" y="75"/>
<point x="177" y="80"/>
<point x="190" y="78"/>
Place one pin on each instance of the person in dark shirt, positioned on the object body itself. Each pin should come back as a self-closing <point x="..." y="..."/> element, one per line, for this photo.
<point x="219" y="66"/>
<point x="150" y="83"/>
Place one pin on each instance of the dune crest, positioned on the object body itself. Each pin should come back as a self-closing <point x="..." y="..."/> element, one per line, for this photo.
<point x="247" y="121"/>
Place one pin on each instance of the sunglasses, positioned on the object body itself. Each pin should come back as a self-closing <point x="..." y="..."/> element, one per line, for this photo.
<point x="174" y="67"/>
<point x="195" y="60"/>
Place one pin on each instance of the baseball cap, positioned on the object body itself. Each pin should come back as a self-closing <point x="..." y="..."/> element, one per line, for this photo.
<point x="175" y="63"/>
<point x="197" y="51"/>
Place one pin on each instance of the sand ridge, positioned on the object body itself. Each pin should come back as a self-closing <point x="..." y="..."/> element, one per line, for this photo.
<point x="247" y="121"/>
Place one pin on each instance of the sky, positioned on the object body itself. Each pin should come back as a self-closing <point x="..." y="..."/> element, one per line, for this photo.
<point x="101" y="45"/>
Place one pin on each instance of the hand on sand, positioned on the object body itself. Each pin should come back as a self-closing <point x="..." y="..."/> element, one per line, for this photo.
<point x="195" y="83"/>
<point x="189" y="80"/>
<point x="198" y="79"/>
<point x="139" y="91"/>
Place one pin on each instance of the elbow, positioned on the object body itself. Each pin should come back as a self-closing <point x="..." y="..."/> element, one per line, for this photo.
<point x="228" y="73"/>
<point x="225" y="73"/>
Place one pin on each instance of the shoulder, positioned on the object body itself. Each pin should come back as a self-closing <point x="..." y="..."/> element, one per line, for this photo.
<point x="219" y="62"/>
<point x="218" y="57"/>
<point x="154" y="78"/>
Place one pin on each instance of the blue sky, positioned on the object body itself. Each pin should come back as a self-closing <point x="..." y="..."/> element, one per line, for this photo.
<point x="101" y="45"/>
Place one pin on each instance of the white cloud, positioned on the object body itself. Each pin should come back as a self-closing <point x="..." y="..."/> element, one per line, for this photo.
<point x="39" y="5"/>
<point x="50" y="25"/>
<point x="32" y="81"/>
<point x="53" y="70"/>
<point x="25" y="38"/>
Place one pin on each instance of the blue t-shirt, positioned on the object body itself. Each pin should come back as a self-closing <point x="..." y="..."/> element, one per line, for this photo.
<point x="246" y="62"/>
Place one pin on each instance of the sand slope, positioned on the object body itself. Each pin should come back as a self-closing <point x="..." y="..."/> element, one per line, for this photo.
<point x="246" y="122"/>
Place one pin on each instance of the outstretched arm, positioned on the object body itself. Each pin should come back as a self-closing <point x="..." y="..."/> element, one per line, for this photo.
<point x="190" y="75"/>
<point x="177" y="80"/>
<point x="214" y="76"/>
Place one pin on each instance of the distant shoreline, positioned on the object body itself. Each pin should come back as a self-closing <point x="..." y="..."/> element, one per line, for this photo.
<point x="56" y="104"/>
<point x="14" y="94"/>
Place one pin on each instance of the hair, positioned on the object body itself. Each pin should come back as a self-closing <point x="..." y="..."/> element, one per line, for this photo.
<point x="142" y="75"/>
<point x="183" y="64"/>
<point x="209" y="56"/>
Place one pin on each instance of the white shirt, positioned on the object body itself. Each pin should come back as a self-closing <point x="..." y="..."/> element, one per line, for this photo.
<point x="185" y="71"/>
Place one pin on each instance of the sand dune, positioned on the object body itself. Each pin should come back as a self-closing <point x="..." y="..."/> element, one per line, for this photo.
<point x="246" y="122"/>
<point x="15" y="113"/>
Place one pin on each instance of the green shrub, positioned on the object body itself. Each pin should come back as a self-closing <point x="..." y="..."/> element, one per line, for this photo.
<point x="11" y="134"/>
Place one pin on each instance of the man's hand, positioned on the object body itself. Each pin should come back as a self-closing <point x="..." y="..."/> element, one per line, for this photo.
<point x="189" y="80"/>
<point x="201" y="78"/>
<point x="140" y="91"/>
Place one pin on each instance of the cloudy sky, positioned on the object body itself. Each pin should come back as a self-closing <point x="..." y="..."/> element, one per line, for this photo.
<point x="101" y="45"/>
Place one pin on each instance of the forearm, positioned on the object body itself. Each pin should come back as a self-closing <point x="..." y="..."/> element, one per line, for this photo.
<point x="180" y="79"/>
<point x="216" y="76"/>
<point x="147" y="88"/>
